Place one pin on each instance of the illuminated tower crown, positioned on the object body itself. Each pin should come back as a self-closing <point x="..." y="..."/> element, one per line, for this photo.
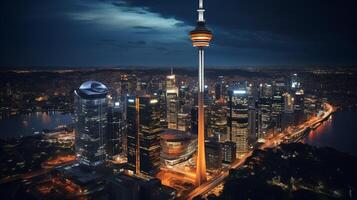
<point x="201" y="36"/>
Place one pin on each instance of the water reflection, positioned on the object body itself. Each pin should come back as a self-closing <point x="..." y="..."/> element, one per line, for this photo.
<point x="22" y="125"/>
<point x="337" y="132"/>
<point x="320" y="129"/>
<point x="46" y="119"/>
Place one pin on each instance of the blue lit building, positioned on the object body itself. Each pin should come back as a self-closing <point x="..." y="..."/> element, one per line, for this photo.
<point x="90" y="111"/>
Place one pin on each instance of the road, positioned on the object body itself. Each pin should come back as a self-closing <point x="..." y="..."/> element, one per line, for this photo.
<point x="35" y="173"/>
<point x="270" y="141"/>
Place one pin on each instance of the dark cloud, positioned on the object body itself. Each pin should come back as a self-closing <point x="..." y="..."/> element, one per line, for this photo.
<point x="254" y="32"/>
<point x="143" y="28"/>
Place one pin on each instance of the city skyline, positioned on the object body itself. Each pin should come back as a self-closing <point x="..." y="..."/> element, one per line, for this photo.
<point x="114" y="33"/>
<point x="120" y="131"/>
<point x="89" y="108"/>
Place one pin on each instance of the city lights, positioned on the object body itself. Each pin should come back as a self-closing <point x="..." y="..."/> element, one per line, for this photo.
<point x="108" y="102"/>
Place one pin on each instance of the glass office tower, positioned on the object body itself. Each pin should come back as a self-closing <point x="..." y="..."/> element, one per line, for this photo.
<point x="90" y="108"/>
<point x="143" y="117"/>
<point x="237" y="117"/>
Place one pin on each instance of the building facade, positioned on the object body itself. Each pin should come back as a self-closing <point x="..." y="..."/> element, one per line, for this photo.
<point x="237" y="119"/>
<point x="91" y="117"/>
<point x="143" y="134"/>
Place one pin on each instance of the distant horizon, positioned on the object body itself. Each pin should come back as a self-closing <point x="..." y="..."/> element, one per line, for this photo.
<point x="137" y="67"/>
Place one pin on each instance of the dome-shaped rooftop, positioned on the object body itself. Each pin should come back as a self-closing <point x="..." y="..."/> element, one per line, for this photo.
<point x="93" y="89"/>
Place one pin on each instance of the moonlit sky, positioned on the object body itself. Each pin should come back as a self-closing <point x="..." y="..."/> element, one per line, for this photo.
<point x="98" y="33"/>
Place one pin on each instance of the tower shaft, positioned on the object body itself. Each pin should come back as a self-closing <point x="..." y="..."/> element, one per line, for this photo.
<point x="201" y="157"/>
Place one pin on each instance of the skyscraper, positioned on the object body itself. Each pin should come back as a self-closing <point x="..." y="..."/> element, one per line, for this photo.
<point x="238" y="117"/>
<point x="229" y="152"/>
<point x="299" y="106"/>
<point x="143" y="135"/>
<point x="213" y="155"/>
<point x="219" y="88"/>
<point x="264" y="109"/>
<point x="172" y="103"/>
<point x="91" y="104"/>
<point x="201" y="37"/>
<point x="116" y="129"/>
<point x="278" y="104"/>
<point x="183" y="121"/>
<point x="295" y="83"/>
<point x="253" y="123"/>
<point x="217" y="123"/>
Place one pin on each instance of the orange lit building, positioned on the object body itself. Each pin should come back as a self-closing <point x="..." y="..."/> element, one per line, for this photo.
<point x="176" y="147"/>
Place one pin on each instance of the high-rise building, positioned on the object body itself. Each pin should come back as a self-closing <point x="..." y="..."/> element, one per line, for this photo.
<point x="172" y="108"/>
<point x="217" y="123"/>
<point x="288" y="102"/>
<point x="116" y="129"/>
<point x="194" y="120"/>
<point x="253" y="124"/>
<point x="171" y="80"/>
<point x="238" y="118"/>
<point x="91" y="107"/>
<point x="143" y="135"/>
<point x="201" y="38"/>
<point x="229" y="152"/>
<point x="172" y="103"/>
<point x="298" y="93"/>
<point x="288" y="113"/>
<point x="160" y="95"/>
<point x="183" y="95"/>
<point x="295" y="83"/>
<point x="207" y="97"/>
<point x="264" y="109"/>
<point x="278" y="104"/>
<point x="213" y="155"/>
<point x="219" y="88"/>
<point x="299" y="106"/>
<point x="183" y="121"/>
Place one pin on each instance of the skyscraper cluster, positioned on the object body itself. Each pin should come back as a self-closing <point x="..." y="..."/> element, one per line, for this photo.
<point x="132" y="125"/>
<point x="155" y="121"/>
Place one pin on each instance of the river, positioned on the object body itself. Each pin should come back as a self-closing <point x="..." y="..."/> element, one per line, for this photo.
<point x="28" y="124"/>
<point x="339" y="132"/>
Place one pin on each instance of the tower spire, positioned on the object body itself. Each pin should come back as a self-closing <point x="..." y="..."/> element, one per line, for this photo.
<point x="200" y="11"/>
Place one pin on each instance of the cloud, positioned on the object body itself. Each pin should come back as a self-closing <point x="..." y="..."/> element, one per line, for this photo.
<point x="119" y="15"/>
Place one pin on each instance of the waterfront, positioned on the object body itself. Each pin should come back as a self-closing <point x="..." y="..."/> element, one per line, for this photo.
<point x="28" y="124"/>
<point x="339" y="132"/>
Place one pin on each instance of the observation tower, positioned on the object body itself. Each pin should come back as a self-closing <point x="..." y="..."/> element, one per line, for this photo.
<point x="201" y="38"/>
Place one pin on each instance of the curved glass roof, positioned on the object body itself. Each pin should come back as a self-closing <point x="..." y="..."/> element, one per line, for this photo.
<point x="93" y="89"/>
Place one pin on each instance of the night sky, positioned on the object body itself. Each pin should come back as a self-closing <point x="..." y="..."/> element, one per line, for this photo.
<point x="155" y="32"/>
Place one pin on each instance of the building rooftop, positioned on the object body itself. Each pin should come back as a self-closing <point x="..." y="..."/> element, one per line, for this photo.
<point x="176" y="135"/>
<point x="92" y="89"/>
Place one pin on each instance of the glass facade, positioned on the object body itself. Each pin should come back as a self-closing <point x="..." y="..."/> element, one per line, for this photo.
<point x="143" y="130"/>
<point x="91" y="105"/>
<point x="238" y="117"/>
